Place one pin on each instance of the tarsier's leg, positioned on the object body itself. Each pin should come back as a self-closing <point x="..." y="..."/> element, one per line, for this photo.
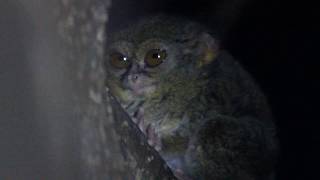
<point x="233" y="148"/>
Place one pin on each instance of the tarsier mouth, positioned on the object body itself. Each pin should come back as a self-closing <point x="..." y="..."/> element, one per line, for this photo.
<point x="141" y="90"/>
<point x="139" y="84"/>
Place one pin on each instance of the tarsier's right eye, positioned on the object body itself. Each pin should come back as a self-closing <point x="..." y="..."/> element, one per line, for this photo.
<point x="119" y="61"/>
<point x="155" y="57"/>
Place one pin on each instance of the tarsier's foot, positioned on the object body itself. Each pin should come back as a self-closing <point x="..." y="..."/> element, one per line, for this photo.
<point x="181" y="175"/>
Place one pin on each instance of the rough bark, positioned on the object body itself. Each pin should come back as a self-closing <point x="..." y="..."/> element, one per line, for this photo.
<point x="81" y="26"/>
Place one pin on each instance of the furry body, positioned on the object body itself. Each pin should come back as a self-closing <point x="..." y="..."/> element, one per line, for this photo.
<point x="200" y="110"/>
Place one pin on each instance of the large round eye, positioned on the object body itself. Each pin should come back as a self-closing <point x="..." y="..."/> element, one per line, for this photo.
<point x="119" y="61"/>
<point x="155" y="57"/>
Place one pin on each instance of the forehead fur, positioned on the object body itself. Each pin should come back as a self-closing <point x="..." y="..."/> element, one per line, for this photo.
<point x="158" y="27"/>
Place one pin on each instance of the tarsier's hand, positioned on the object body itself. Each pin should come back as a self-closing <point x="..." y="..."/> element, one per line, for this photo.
<point x="153" y="137"/>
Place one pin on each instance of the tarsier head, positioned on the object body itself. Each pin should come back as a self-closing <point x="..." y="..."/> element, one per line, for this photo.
<point x="157" y="55"/>
<point x="155" y="68"/>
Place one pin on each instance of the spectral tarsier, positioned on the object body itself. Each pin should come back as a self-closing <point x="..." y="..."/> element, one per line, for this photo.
<point x="197" y="106"/>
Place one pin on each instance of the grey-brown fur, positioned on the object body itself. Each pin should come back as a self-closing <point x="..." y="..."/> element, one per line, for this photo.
<point x="202" y="112"/>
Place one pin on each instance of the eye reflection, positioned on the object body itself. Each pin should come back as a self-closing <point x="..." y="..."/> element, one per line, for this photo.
<point x="155" y="57"/>
<point x="119" y="61"/>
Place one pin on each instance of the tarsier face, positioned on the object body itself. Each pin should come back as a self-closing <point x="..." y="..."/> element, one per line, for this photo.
<point x="137" y="68"/>
<point x="140" y="59"/>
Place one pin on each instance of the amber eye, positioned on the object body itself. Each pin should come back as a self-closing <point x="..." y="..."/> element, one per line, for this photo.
<point x="155" y="57"/>
<point x="119" y="61"/>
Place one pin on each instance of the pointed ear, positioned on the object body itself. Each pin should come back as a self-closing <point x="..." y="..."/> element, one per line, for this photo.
<point x="208" y="49"/>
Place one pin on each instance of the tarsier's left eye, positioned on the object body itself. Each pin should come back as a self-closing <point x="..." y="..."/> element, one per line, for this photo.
<point x="155" y="57"/>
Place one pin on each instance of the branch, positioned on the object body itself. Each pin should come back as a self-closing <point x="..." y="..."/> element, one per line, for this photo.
<point x="149" y="161"/>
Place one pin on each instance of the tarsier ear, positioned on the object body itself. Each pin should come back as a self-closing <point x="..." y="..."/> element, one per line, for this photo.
<point x="208" y="49"/>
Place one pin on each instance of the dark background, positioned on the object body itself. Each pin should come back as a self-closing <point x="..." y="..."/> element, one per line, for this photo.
<point x="277" y="43"/>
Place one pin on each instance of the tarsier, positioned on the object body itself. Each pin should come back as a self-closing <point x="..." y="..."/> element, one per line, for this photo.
<point x="197" y="106"/>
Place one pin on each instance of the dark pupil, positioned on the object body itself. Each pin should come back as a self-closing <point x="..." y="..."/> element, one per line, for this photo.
<point x="155" y="56"/>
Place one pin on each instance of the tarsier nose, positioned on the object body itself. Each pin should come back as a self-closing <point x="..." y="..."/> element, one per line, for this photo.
<point x="134" y="78"/>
